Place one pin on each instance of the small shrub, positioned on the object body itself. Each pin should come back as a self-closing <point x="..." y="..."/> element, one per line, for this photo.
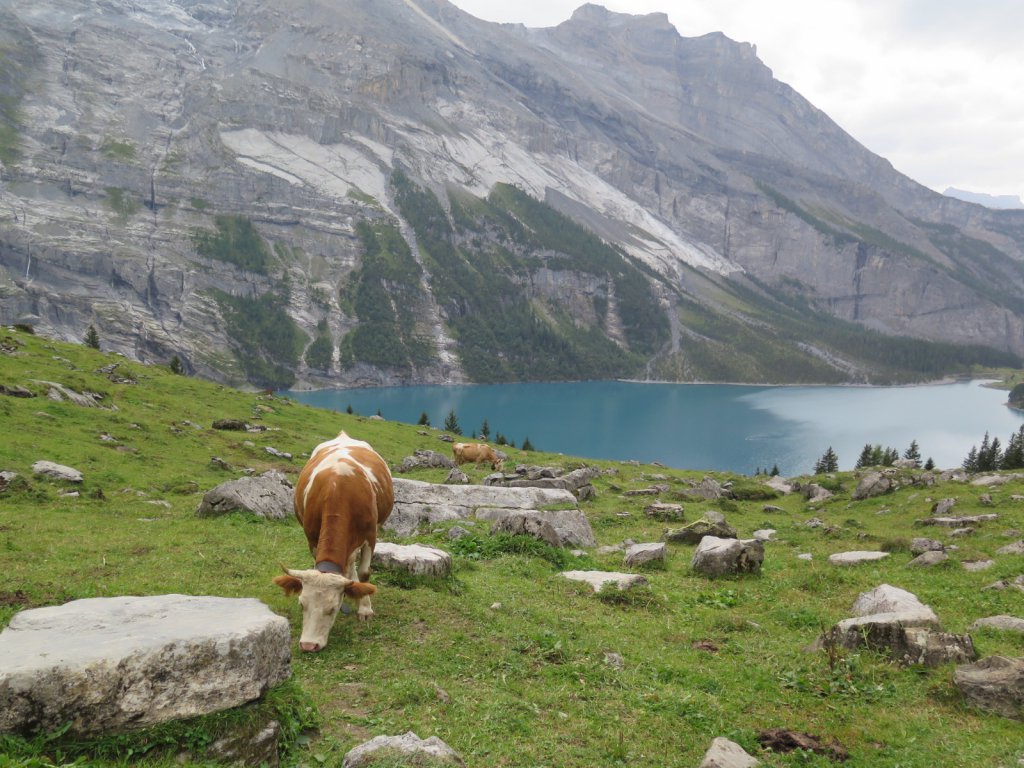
<point x="896" y="544"/>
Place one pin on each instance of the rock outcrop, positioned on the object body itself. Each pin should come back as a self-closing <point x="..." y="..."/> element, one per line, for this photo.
<point x="269" y="495"/>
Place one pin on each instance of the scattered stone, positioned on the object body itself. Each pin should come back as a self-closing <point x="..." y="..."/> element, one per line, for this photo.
<point x="665" y="512"/>
<point x="414" y="559"/>
<point x="457" y="532"/>
<point x="57" y="471"/>
<point x="59" y="393"/>
<point x="269" y="495"/>
<point x="720" y="556"/>
<point x="711" y="524"/>
<point x="771" y="508"/>
<point x="920" y="545"/>
<point x="277" y="453"/>
<point x="929" y="558"/>
<point x="988" y="481"/>
<point x="889" y="599"/>
<point x="805" y="556"/>
<point x="1009" y="623"/>
<point x="495" y="606"/>
<point x="727" y="754"/>
<point x="218" y="462"/>
<point x="814" y="522"/>
<point x="783" y="740"/>
<point x="614" y="660"/>
<point x="765" y="534"/>
<point x="1017" y="548"/>
<point x="958" y="532"/>
<point x="953" y="476"/>
<point x="995" y="684"/>
<point x="7" y="480"/>
<point x="943" y="507"/>
<point x="457" y="477"/>
<point x="446" y="438"/>
<point x="855" y="557"/>
<point x="522" y="523"/>
<point x="643" y="554"/>
<point x="957" y="522"/>
<point x="610" y="549"/>
<point x="425" y="459"/>
<point x="815" y="493"/>
<point x="408" y="749"/>
<point x="779" y="484"/>
<point x="977" y="565"/>
<point x="986" y="499"/>
<point x="652" y="491"/>
<point x="16" y="391"/>
<point x="873" y="484"/>
<point x="1017" y="583"/>
<point x="109" y="664"/>
<point x="571" y="526"/>
<point x="599" y="579"/>
<point x="708" y="488"/>
<point x="577" y="482"/>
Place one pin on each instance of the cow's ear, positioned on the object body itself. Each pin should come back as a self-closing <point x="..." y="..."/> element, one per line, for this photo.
<point x="289" y="584"/>
<point x="358" y="589"/>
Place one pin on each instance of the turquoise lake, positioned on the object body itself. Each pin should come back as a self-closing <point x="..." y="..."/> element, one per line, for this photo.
<point x="704" y="426"/>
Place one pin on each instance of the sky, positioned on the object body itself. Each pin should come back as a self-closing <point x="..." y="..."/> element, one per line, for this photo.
<point x="934" y="86"/>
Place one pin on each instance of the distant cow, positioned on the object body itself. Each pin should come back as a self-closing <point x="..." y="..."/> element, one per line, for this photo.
<point x="344" y="492"/>
<point x="477" y="453"/>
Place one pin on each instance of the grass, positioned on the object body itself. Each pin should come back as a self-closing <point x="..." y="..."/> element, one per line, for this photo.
<point x="505" y="660"/>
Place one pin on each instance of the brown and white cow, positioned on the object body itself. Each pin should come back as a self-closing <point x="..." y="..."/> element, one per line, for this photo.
<point x="477" y="453"/>
<point x="344" y="492"/>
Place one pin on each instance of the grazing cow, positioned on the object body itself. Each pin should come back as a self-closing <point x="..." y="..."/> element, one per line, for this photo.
<point x="476" y="453"/>
<point x="344" y="492"/>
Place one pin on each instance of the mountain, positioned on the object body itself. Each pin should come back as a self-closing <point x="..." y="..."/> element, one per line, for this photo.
<point x="989" y="201"/>
<point x="347" y="192"/>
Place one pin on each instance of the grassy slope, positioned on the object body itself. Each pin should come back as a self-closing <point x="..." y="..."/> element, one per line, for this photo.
<point x="525" y="684"/>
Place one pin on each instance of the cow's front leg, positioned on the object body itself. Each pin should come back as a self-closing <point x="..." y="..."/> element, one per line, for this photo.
<point x="359" y="570"/>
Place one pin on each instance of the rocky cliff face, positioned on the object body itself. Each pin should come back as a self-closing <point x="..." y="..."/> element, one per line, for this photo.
<point x="247" y="185"/>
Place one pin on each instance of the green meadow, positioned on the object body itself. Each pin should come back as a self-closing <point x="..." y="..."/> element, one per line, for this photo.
<point x="505" y="660"/>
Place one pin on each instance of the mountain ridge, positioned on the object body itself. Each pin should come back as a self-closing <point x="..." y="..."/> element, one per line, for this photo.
<point x="723" y="187"/>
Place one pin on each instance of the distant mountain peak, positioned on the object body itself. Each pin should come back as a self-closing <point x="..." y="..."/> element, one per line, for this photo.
<point x="1001" y="202"/>
<point x="594" y="13"/>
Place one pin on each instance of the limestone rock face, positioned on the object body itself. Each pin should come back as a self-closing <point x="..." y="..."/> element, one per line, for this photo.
<point x="107" y="664"/>
<point x="269" y="495"/>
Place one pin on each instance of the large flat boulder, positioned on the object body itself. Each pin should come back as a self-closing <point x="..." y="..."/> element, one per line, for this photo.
<point x="414" y="559"/>
<point x="996" y="684"/>
<point x="719" y="557"/>
<point x="571" y="527"/>
<point x="599" y="580"/>
<point x="115" y="663"/>
<point x="418" y="502"/>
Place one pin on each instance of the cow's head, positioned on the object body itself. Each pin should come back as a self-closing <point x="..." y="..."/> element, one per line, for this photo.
<point x="320" y="596"/>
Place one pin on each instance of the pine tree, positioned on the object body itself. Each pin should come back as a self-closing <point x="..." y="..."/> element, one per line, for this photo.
<point x="913" y="453"/>
<point x="890" y="457"/>
<point x="175" y="366"/>
<point x="451" y="423"/>
<point x="349" y="409"/>
<point x="424" y="420"/>
<point x="500" y="439"/>
<point x="971" y="462"/>
<point x="829" y="462"/>
<point x="930" y="464"/>
<point x="775" y="470"/>
<point x="527" y="445"/>
<point x="92" y="338"/>
<point x="485" y="430"/>
<point x="864" y="460"/>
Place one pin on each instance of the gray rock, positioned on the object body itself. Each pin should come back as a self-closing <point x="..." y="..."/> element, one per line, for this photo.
<point x="521" y="523"/>
<point x="250" y="745"/>
<point x="906" y="637"/>
<point x="943" y="507"/>
<point x="708" y="488"/>
<point x="989" y="481"/>
<point x="986" y="499"/>
<point x="1009" y="623"/>
<point x="779" y="484"/>
<point x="614" y="660"/>
<point x="57" y="472"/>
<point x="414" y="559"/>
<point x="727" y="754"/>
<point x="765" y="534"/>
<point x="599" y="580"/>
<point x="571" y="525"/>
<point x="889" y="599"/>
<point x="269" y="495"/>
<point x="805" y="556"/>
<point x="873" y="484"/>
<point x="925" y="559"/>
<point x="815" y="522"/>
<point x="425" y="459"/>
<point x="1017" y="548"/>
<point x="279" y="454"/>
<point x="815" y="493"/>
<point x="721" y="556"/>
<point x="7" y="480"/>
<point x="771" y="508"/>
<point x="693" y="533"/>
<point x="642" y="554"/>
<point x="233" y="425"/>
<point x="417" y="502"/>
<point x="108" y="664"/>
<point x="664" y="511"/>
<point x="457" y="532"/>
<point x="995" y="684"/>
<point x="457" y="477"/>
<point x="1017" y="583"/>
<point x="953" y="476"/>
<point x="958" y="521"/>
<point x="59" y="393"/>
<point x="407" y="749"/>
<point x="855" y="557"/>
<point x="919" y="545"/>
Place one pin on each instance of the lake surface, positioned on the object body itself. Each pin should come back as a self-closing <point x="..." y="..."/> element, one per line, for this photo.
<point x="705" y="426"/>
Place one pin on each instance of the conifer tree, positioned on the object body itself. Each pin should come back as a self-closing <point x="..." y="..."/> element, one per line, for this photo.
<point x="930" y="464"/>
<point x="865" y="458"/>
<point x="970" y="464"/>
<point x="92" y="338"/>
<point x="775" y="470"/>
<point x="485" y="430"/>
<point x="829" y="462"/>
<point x="913" y="453"/>
<point x="890" y="456"/>
<point x="500" y="439"/>
<point x="349" y="409"/>
<point x="451" y="423"/>
<point x="175" y="366"/>
<point x="527" y="445"/>
<point x="424" y="419"/>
